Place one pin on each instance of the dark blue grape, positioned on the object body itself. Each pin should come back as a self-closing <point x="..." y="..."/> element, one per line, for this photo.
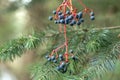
<point x="92" y="14"/>
<point x="54" y="12"/>
<point x="50" y="18"/>
<point x="92" y="17"/>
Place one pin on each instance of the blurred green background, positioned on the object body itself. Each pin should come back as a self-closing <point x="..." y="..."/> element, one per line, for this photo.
<point x="19" y="17"/>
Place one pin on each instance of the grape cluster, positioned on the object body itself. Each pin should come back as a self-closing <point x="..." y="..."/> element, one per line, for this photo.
<point x="60" y="61"/>
<point x="69" y="17"/>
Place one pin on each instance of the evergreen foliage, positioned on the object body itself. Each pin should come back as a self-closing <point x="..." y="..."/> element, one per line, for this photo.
<point x="97" y="51"/>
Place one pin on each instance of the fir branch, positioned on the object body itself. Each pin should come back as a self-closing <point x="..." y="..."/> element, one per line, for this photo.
<point x="16" y="47"/>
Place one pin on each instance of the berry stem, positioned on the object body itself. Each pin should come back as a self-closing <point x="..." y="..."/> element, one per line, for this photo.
<point x="82" y="4"/>
<point x="65" y="36"/>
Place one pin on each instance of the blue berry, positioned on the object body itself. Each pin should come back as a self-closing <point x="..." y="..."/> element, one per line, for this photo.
<point x="74" y="57"/>
<point x="59" y="13"/>
<point x="61" y="59"/>
<point x="61" y="16"/>
<point x="67" y="12"/>
<point x="71" y="51"/>
<point x="80" y="14"/>
<point x="92" y="17"/>
<point x="62" y="21"/>
<point x="71" y="24"/>
<point x="60" y="55"/>
<point x="50" y="18"/>
<point x="73" y="21"/>
<point x="62" y="65"/>
<point x="78" y="23"/>
<point x="52" y="57"/>
<point x="54" y="12"/>
<point x="81" y="20"/>
<point x="46" y="56"/>
<point x="66" y="21"/>
<point x="55" y="61"/>
<point x="55" y="22"/>
<point x="58" y="21"/>
<point x="58" y="68"/>
<point x="49" y="59"/>
<point x="77" y="16"/>
<point x="70" y="17"/>
<point x="92" y="14"/>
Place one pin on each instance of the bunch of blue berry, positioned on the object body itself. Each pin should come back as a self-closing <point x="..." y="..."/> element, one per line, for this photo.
<point x="69" y="17"/>
<point x="60" y="60"/>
